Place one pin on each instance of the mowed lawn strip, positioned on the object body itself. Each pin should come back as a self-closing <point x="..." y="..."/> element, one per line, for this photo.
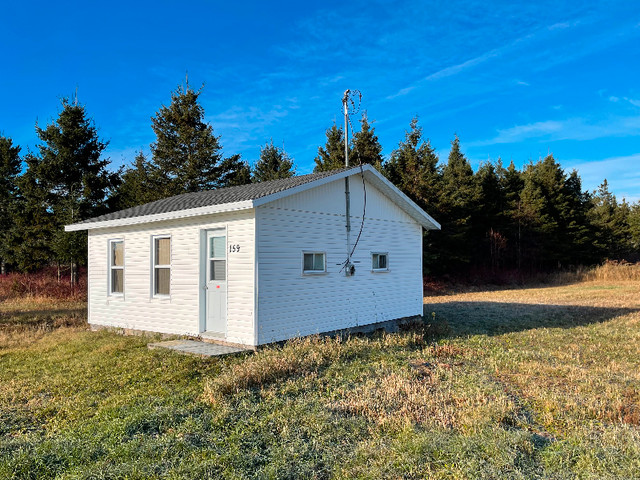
<point x="517" y="383"/>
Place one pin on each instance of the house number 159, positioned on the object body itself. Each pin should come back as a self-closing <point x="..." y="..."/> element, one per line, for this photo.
<point x="234" y="248"/>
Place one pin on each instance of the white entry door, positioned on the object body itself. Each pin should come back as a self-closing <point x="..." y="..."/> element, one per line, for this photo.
<point x="216" y="285"/>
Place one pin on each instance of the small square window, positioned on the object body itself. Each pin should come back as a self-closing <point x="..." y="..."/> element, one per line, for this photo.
<point x="380" y="262"/>
<point x="314" y="262"/>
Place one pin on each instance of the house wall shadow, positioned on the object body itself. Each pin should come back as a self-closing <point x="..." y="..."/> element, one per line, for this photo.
<point x="497" y="318"/>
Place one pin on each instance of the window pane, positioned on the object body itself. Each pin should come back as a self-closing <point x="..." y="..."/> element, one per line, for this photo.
<point x="318" y="261"/>
<point x="308" y="261"/>
<point x="163" y="251"/>
<point x="117" y="281"/>
<point x="117" y="254"/>
<point x="374" y="261"/>
<point x="218" y="270"/>
<point x="382" y="261"/>
<point x="163" y="280"/>
<point x="217" y="247"/>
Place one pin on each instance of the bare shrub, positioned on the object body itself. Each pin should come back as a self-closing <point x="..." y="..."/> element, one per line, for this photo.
<point x="44" y="283"/>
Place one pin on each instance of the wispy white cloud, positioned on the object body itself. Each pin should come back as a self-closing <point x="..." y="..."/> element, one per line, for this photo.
<point x="632" y="101"/>
<point x="569" y="129"/>
<point x="622" y="173"/>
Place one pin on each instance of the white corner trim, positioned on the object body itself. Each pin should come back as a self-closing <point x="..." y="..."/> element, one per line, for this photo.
<point x="158" y="217"/>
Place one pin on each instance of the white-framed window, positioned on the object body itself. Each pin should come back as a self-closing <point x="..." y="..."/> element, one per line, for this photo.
<point x="161" y="275"/>
<point x="314" y="263"/>
<point x="380" y="261"/>
<point x="116" y="267"/>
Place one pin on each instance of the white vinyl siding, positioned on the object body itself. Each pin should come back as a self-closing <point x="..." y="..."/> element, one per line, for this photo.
<point x="181" y="312"/>
<point x="290" y="304"/>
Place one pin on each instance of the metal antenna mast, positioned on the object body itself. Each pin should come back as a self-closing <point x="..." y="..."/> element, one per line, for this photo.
<point x="349" y="267"/>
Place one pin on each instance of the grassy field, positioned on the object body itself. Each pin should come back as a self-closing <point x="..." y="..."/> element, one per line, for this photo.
<point x="514" y="383"/>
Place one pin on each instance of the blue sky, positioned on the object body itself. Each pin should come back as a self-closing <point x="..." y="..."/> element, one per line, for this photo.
<point x="515" y="80"/>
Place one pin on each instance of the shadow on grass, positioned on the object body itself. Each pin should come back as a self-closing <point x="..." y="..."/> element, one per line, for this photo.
<point x="496" y="318"/>
<point x="52" y="318"/>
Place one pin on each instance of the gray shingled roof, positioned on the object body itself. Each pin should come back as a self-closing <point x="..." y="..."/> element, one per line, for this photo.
<point x="212" y="197"/>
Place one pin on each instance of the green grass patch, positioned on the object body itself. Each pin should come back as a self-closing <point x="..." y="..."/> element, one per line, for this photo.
<point x="537" y="383"/>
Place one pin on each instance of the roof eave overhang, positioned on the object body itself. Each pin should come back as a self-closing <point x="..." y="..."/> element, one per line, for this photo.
<point x="159" y="217"/>
<point x="370" y="173"/>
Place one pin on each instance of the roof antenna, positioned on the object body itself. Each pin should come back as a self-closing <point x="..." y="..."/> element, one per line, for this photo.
<point x="345" y="107"/>
<point x="349" y="267"/>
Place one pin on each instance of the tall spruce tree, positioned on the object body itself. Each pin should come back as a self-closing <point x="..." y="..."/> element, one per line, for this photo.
<point x="634" y="231"/>
<point x="274" y="163"/>
<point x="74" y="176"/>
<point x="31" y="245"/>
<point x="490" y="239"/>
<point x="234" y="172"/>
<point x="365" y="145"/>
<point x="612" y="235"/>
<point x="138" y="184"/>
<point x="458" y="201"/>
<point x="187" y="156"/>
<point x="331" y="156"/>
<point x="10" y="164"/>
<point x="552" y="215"/>
<point x="413" y="168"/>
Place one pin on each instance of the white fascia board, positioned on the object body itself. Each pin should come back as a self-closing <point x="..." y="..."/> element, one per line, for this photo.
<point x="305" y="186"/>
<point x="158" y="217"/>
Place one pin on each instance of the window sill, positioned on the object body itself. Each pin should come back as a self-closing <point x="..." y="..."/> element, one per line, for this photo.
<point x="312" y="273"/>
<point x="161" y="298"/>
<point x="380" y="271"/>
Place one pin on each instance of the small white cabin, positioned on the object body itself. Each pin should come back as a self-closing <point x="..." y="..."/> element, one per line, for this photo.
<point x="260" y="263"/>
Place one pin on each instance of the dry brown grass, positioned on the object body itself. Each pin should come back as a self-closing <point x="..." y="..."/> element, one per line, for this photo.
<point x="24" y="321"/>
<point x="572" y="351"/>
<point x="610" y="271"/>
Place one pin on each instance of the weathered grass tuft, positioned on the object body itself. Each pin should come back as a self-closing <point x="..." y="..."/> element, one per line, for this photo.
<point x="300" y="356"/>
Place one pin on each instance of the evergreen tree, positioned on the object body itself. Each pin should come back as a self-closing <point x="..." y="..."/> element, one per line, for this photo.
<point x="634" y="231"/>
<point x="612" y="236"/>
<point x="511" y="183"/>
<point x="489" y="223"/>
<point x="138" y="184"/>
<point x="553" y="217"/>
<point x="457" y="202"/>
<point x="74" y="177"/>
<point x="413" y="168"/>
<point x="31" y="244"/>
<point x="10" y="164"/>
<point x="234" y="172"/>
<point x="365" y="146"/>
<point x="274" y="163"/>
<point x="331" y="156"/>
<point x="187" y="156"/>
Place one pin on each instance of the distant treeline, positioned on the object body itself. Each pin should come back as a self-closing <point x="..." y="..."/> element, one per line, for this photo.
<point x="497" y="218"/>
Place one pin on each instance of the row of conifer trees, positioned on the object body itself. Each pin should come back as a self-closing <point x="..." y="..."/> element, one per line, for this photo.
<point x="495" y="219"/>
